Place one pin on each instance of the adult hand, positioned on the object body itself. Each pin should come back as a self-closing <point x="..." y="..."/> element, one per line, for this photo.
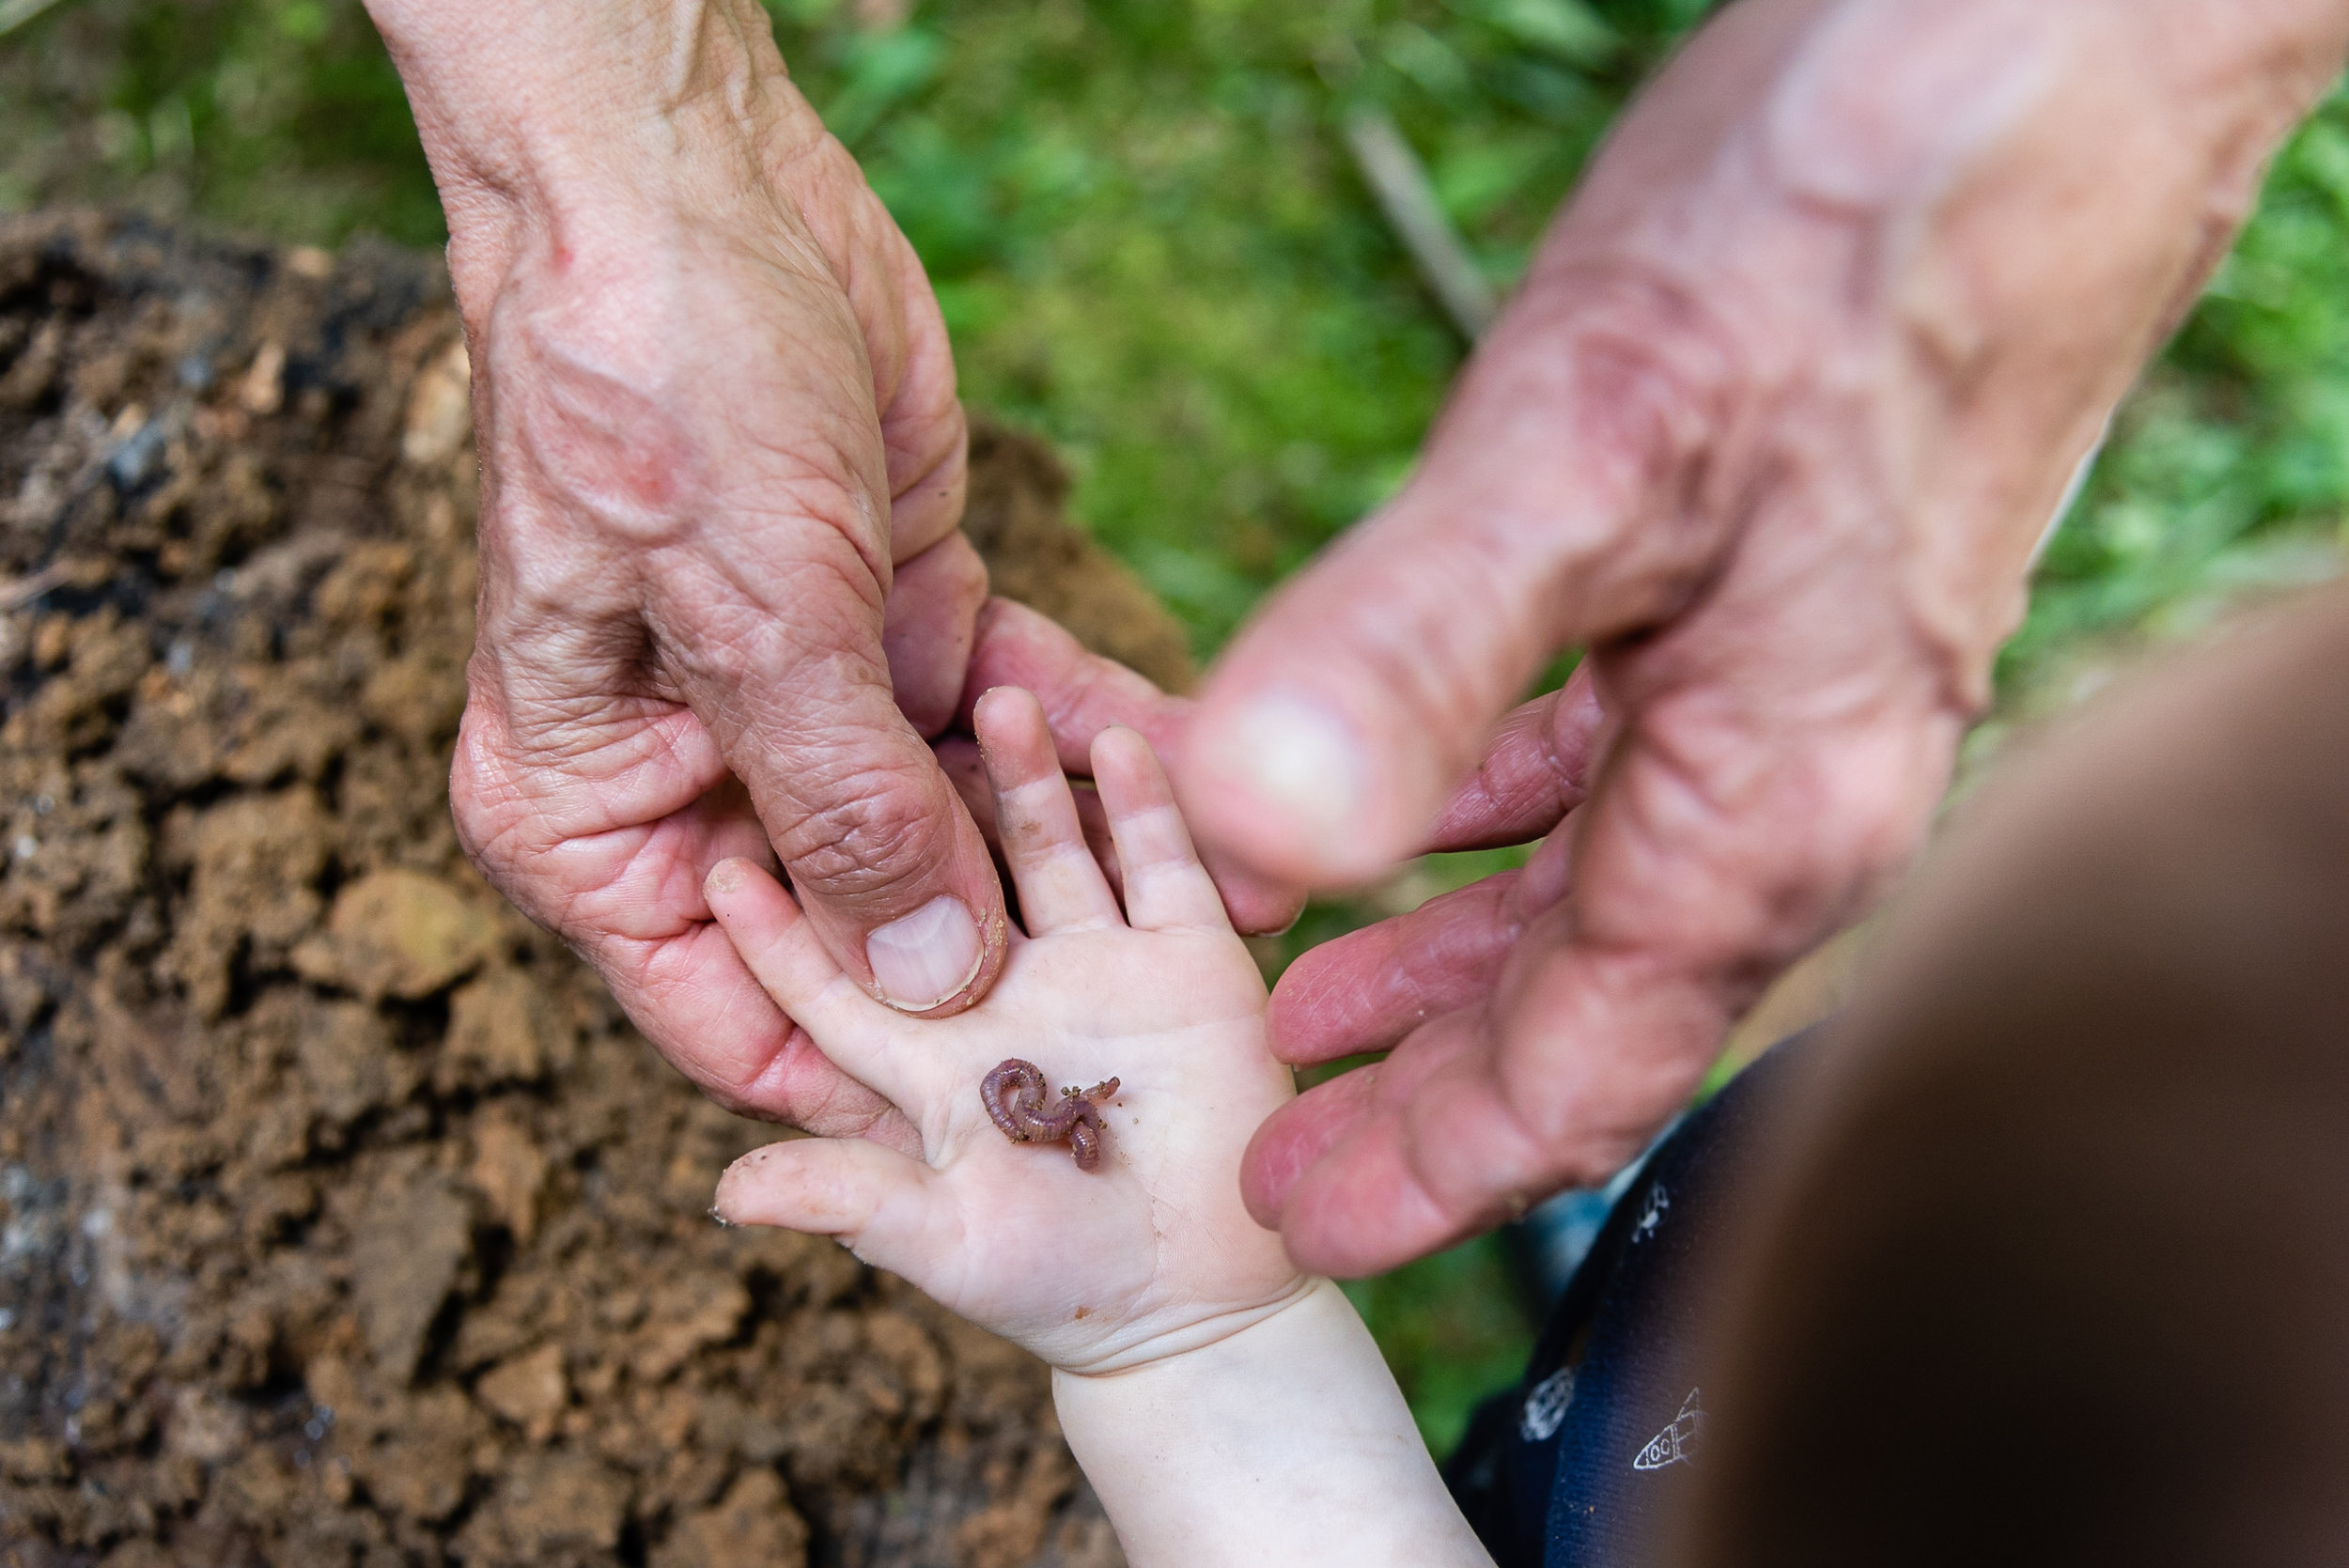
<point x="724" y="600"/>
<point x="1790" y="394"/>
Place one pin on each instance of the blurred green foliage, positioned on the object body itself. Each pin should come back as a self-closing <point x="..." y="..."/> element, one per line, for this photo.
<point x="1456" y="1328"/>
<point x="1151" y="247"/>
<point x="1150" y="244"/>
<point x="281" y="116"/>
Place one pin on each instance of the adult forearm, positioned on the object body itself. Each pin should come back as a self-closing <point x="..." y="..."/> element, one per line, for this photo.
<point x="1287" y="1442"/>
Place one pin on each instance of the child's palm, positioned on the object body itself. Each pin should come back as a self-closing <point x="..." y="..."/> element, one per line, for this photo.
<point x="1091" y="1270"/>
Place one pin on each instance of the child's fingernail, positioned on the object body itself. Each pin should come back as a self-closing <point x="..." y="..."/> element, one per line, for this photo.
<point x="928" y="957"/>
<point x="725" y="876"/>
<point x="1298" y="758"/>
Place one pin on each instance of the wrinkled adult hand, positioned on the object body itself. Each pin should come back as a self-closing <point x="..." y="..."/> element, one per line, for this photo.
<point x="1790" y="394"/>
<point x="724" y="603"/>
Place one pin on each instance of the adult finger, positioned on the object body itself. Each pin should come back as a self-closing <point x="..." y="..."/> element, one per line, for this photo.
<point x="885" y="862"/>
<point x="927" y="627"/>
<point x="1083" y="695"/>
<point x="890" y="872"/>
<point x="1295" y="1139"/>
<point x="1299" y="1133"/>
<point x="1701" y="870"/>
<point x="1060" y="885"/>
<point x="1367" y="989"/>
<point x="923" y="435"/>
<point x="1535" y="769"/>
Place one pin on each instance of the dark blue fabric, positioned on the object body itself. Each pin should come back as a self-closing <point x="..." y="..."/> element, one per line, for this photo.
<point x="1573" y="1467"/>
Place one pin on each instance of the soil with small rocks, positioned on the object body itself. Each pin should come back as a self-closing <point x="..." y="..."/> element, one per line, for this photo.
<point x="344" y="1220"/>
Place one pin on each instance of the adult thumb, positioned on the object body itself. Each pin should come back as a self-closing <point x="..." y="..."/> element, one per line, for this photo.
<point x="882" y="856"/>
<point x="1338" y="722"/>
<point x="885" y="860"/>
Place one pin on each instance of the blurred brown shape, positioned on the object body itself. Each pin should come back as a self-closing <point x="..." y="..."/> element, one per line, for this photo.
<point x="2055" y="1273"/>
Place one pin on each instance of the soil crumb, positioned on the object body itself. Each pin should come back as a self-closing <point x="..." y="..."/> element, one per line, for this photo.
<point x="343" y="1217"/>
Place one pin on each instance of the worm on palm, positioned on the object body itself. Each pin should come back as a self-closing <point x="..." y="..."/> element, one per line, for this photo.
<point x="1013" y="1095"/>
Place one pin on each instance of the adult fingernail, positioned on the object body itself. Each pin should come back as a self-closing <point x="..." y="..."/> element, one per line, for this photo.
<point x="928" y="957"/>
<point x="1299" y="758"/>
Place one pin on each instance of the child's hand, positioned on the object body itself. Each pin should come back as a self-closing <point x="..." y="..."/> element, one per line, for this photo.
<point x="1227" y="1410"/>
<point x="1151" y="1253"/>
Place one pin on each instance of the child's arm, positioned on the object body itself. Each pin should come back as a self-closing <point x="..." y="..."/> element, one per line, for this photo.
<point x="1285" y="1443"/>
<point x="1227" y="1408"/>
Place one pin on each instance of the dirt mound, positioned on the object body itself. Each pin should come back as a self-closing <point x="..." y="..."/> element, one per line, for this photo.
<point x="343" y="1218"/>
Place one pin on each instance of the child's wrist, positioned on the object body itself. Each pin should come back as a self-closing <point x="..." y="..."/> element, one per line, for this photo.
<point x="1169" y="1348"/>
<point x="1283" y="1441"/>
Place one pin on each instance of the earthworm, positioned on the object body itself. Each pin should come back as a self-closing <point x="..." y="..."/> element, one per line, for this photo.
<point x="1014" y="1096"/>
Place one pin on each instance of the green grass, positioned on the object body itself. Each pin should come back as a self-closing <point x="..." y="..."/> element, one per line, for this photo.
<point x="1151" y="247"/>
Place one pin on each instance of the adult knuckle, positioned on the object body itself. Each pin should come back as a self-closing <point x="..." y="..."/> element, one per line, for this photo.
<point x="732" y="647"/>
<point x="1649" y="358"/>
<point x="734" y="636"/>
<point x="874" y="828"/>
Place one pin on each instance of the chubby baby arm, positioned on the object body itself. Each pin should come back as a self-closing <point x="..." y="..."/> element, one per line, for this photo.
<point x="1227" y="1408"/>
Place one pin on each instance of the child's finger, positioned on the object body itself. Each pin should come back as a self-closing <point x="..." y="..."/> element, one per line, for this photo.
<point x="789" y="961"/>
<point x="1060" y="885"/>
<point x="958" y="759"/>
<point x="872" y="1198"/>
<point x="1166" y="887"/>
<point x="1095" y="823"/>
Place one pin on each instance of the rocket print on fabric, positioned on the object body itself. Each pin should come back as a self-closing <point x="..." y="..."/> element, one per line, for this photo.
<point x="1676" y="1443"/>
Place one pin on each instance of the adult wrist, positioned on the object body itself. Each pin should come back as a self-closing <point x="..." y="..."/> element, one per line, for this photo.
<point x="573" y="120"/>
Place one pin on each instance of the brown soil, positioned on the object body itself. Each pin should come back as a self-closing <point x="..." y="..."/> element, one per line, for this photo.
<point x="343" y="1218"/>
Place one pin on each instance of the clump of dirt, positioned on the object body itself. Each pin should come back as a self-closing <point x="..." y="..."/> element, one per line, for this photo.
<point x="343" y="1218"/>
